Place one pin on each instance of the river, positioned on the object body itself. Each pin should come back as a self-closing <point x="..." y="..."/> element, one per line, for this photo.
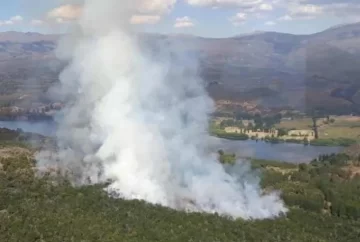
<point x="294" y="153"/>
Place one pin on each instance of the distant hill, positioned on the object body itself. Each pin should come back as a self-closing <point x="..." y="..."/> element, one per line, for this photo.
<point x="300" y="70"/>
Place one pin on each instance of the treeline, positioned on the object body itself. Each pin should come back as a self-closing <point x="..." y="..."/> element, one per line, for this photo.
<point x="255" y="121"/>
<point x="343" y="142"/>
<point x="334" y="142"/>
<point x="220" y="133"/>
<point x="328" y="185"/>
<point x="7" y="115"/>
<point x="224" y="158"/>
<point x="231" y="136"/>
<point x="20" y="138"/>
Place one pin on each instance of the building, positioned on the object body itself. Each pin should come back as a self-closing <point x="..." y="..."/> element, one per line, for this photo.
<point x="233" y="130"/>
<point x="258" y="133"/>
<point x="302" y="133"/>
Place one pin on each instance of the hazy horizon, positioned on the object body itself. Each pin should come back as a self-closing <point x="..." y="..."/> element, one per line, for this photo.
<point x="197" y="35"/>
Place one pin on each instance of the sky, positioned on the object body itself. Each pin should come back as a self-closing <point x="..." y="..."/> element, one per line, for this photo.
<point x="208" y="18"/>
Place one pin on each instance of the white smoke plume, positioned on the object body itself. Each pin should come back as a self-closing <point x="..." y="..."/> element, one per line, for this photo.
<point x="139" y="119"/>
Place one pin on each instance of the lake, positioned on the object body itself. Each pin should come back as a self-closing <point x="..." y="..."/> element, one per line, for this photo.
<point x="46" y="128"/>
<point x="289" y="152"/>
<point x="294" y="153"/>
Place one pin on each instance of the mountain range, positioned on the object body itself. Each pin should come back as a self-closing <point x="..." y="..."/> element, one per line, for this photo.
<point x="272" y="69"/>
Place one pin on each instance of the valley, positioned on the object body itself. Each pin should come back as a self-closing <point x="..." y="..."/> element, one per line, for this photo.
<point x="286" y="106"/>
<point x="176" y="120"/>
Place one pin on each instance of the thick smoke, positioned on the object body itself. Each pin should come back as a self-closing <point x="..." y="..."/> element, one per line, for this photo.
<point x="138" y="118"/>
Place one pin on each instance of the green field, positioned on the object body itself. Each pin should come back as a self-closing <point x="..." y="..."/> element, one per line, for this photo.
<point x="343" y="127"/>
<point x="300" y="123"/>
<point x="215" y="130"/>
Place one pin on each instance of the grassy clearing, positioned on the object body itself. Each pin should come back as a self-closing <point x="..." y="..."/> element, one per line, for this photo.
<point x="347" y="127"/>
<point x="335" y="132"/>
<point x="260" y="163"/>
<point x="215" y="130"/>
<point x="274" y="166"/>
<point x="301" y="123"/>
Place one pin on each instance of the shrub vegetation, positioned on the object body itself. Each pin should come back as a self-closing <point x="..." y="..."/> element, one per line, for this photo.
<point x="323" y="198"/>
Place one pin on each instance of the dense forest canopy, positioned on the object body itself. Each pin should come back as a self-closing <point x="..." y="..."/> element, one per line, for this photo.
<point x="323" y="198"/>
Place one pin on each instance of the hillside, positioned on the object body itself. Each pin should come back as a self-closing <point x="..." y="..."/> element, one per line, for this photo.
<point x="323" y="198"/>
<point x="303" y="71"/>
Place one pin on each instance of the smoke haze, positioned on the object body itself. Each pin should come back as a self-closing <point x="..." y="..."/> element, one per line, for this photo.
<point x="139" y="119"/>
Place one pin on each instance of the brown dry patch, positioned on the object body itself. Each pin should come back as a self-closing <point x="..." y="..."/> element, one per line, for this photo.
<point x="350" y="118"/>
<point x="283" y="171"/>
<point x="9" y="152"/>
<point x="353" y="170"/>
<point x="13" y="152"/>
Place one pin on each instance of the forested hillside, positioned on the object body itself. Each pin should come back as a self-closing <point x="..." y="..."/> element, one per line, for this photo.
<point x="323" y="198"/>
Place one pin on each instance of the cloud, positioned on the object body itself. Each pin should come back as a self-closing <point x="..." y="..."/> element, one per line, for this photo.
<point x="343" y="10"/>
<point x="306" y="11"/>
<point x="238" y="19"/>
<point x="36" y="22"/>
<point x="145" y="19"/>
<point x="270" y="23"/>
<point x="225" y="3"/>
<point x="13" y="20"/>
<point x="61" y="20"/>
<point x="258" y="9"/>
<point x="158" y="7"/>
<point x="65" y="12"/>
<point x="285" y="18"/>
<point x="183" y="22"/>
<point x="265" y="7"/>
<point x="16" y="18"/>
<point x="149" y="11"/>
<point x="294" y="9"/>
<point x="247" y="9"/>
<point x="311" y="9"/>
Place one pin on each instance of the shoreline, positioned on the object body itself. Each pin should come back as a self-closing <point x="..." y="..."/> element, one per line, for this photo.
<point x="320" y="142"/>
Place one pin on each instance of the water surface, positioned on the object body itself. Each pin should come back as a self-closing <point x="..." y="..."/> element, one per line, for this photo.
<point x="294" y="153"/>
<point x="46" y="128"/>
